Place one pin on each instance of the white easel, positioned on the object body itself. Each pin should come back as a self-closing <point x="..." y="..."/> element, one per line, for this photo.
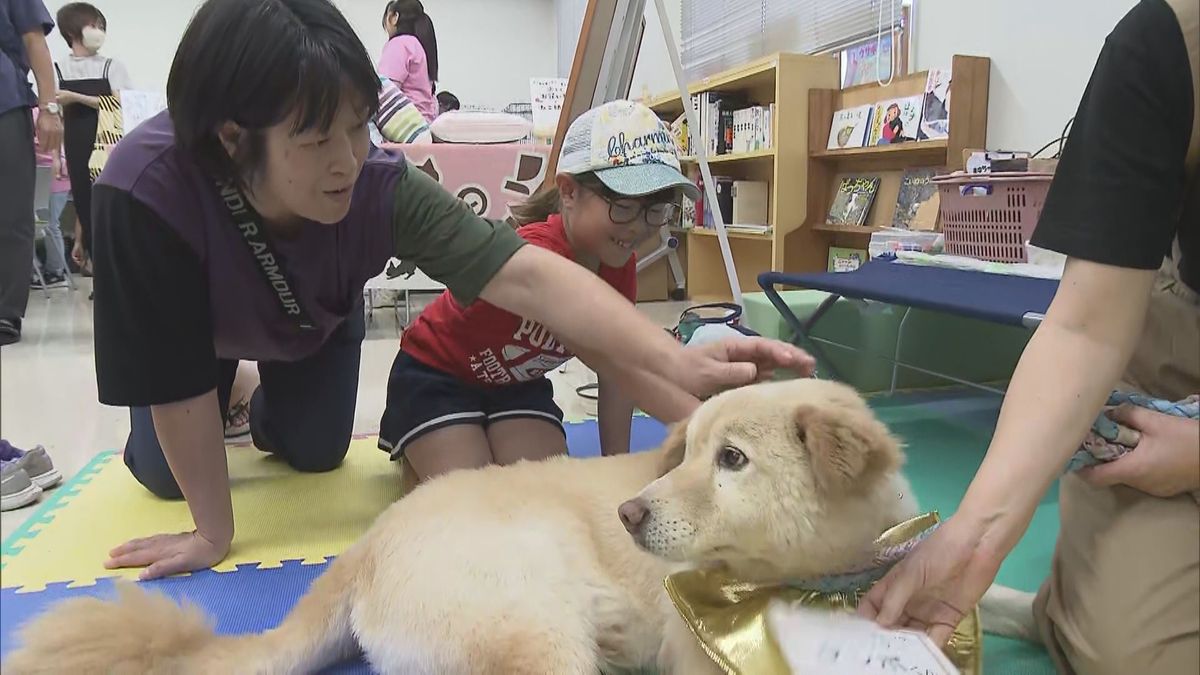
<point x="605" y="56"/>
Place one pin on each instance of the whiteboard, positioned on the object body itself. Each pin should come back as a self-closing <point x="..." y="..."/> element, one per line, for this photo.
<point x="138" y="106"/>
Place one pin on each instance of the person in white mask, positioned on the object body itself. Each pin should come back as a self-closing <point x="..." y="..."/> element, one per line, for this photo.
<point x="83" y="77"/>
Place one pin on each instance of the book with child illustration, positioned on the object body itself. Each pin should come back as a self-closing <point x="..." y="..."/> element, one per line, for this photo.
<point x="918" y="201"/>
<point x="935" y="110"/>
<point x="849" y="127"/>
<point x="896" y="120"/>
<point x="852" y="203"/>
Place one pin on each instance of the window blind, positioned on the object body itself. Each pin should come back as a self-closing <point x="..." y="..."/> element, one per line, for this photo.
<point x="721" y="34"/>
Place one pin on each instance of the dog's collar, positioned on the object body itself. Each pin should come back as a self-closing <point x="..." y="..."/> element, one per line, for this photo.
<point x="887" y="555"/>
<point x="727" y="615"/>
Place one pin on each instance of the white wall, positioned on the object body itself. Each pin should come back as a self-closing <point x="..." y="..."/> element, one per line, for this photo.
<point x="652" y="72"/>
<point x="1042" y="55"/>
<point x="488" y="48"/>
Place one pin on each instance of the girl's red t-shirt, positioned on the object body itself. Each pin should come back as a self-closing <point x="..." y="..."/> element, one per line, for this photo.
<point x="488" y="346"/>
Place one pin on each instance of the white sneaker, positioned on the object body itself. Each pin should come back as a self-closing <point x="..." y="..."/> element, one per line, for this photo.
<point x="16" y="488"/>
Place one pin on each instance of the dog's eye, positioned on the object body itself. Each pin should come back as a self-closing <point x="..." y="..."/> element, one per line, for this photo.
<point x="732" y="459"/>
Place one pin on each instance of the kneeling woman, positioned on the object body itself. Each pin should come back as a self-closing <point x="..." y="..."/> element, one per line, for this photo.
<point x="243" y="224"/>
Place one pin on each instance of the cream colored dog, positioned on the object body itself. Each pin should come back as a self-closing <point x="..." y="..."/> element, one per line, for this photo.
<point x="529" y="568"/>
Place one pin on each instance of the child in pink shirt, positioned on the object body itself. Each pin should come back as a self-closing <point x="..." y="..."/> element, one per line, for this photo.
<point x="55" y="271"/>
<point x="410" y="56"/>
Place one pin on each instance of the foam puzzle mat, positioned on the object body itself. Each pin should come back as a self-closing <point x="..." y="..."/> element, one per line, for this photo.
<point x="280" y="514"/>
<point x="289" y="525"/>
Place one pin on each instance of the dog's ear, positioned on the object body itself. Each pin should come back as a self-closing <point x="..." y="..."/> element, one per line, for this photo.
<point x="848" y="450"/>
<point x="674" y="447"/>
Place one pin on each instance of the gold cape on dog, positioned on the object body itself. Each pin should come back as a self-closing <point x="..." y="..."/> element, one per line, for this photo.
<point x="728" y="616"/>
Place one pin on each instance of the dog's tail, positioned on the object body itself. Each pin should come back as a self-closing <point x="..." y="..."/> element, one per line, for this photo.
<point x="1008" y="612"/>
<point x="141" y="632"/>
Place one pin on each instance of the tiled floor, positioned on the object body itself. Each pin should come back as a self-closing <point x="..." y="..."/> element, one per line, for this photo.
<point x="48" y="382"/>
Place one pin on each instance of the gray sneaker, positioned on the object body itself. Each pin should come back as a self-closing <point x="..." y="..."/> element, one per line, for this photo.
<point x="16" y="488"/>
<point x="41" y="470"/>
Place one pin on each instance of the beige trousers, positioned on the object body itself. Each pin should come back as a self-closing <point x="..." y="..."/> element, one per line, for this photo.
<point x="1123" y="595"/>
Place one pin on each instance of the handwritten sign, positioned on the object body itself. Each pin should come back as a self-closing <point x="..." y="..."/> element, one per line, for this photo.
<point x="139" y="106"/>
<point x="546" y="95"/>
<point x="817" y="642"/>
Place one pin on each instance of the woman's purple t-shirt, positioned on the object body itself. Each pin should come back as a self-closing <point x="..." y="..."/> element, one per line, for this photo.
<point x="178" y="287"/>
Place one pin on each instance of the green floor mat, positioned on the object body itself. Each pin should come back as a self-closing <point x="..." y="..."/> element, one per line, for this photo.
<point x="946" y="436"/>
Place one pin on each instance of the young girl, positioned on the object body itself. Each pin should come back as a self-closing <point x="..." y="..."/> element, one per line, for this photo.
<point x="410" y="57"/>
<point x="468" y="388"/>
<point x="83" y="77"/>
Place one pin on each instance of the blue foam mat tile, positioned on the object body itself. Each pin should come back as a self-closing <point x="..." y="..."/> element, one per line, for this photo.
<point x="248" y="600"/>
<point x="583" y="438"/>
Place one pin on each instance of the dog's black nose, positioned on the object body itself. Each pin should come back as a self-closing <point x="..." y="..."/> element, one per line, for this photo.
<point x="632" y="513"/>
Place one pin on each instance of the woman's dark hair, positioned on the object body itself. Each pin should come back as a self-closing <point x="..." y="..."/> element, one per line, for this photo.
<point x="411" y="19"/>
<point x="74" y="16"/>
<point x="447" y="101"/>
<point x="255" y="62"/>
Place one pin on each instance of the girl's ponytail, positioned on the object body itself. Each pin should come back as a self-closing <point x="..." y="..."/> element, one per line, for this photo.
<point x="539" y="207"/>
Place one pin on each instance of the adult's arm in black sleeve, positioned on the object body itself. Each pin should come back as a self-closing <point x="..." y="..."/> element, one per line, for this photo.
<point x="153" y="331"/>
<point x="1116" y="195"/>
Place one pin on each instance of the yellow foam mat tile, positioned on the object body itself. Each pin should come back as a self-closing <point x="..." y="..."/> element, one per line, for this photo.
<point x="279" y="514"/>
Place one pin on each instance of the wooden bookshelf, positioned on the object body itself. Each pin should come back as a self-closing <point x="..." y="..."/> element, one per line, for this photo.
<point x="733" y="234"/>
<point x="768" y="153"/>
<point x="845" y="229"/>
<point x="785" y="80"/>
<point x="807" y="247"/>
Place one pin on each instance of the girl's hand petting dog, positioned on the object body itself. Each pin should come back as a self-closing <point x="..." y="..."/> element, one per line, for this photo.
<point x="716" y="366"/>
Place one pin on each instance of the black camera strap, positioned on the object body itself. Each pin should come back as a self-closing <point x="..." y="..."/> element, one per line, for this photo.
<point x="249" y="224"/>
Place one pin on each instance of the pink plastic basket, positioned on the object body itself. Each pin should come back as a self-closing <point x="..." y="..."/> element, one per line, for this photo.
<point x="991" y="216"/>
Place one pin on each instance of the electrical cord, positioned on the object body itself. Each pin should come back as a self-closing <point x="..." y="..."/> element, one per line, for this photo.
<point x="1060" y="140"/>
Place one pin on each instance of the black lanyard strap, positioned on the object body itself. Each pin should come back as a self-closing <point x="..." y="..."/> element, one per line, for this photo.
<point x="270" y="265"/>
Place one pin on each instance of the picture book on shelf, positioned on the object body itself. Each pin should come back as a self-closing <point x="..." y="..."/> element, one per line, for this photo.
<point x="896" y="120"/>
<point x="849" y="127"/>
<point x="846" y="259"/>
<point x="863" y="62"/>
<point x="852" y="203"/>
<point x="935" y="112"/>
<point x="917" y="201"/>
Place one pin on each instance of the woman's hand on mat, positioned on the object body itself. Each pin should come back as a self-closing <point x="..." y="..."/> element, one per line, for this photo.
<point x="1166" y="461"/>
<point x="938" y="583"/>
<point x="712" y="367"/>
<point x="166" y="554"/>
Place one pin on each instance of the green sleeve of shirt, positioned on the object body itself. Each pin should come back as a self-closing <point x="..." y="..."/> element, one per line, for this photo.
<point x="439" y="233"/>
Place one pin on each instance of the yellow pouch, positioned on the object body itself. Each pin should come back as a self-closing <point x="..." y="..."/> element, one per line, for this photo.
<point x="728" y="616"/>
<point x="109" y="129"/>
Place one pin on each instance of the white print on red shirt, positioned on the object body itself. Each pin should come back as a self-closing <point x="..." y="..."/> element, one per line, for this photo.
<point x="488" y="368"/>
<point x="535" y="353"/>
